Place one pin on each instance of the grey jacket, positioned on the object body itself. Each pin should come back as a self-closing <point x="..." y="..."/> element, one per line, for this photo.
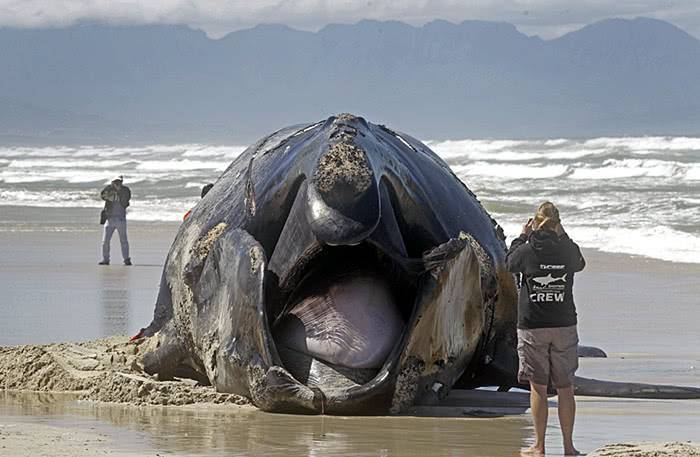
<point x="116" y="201"/>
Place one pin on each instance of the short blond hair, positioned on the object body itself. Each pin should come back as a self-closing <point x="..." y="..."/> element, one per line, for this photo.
<point x="546" y="217"/>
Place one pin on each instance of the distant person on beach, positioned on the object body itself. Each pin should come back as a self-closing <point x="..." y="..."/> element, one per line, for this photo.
<point x="205" y="191"/>
<point x="116" y="196"/>
<point x="547" y="338"/>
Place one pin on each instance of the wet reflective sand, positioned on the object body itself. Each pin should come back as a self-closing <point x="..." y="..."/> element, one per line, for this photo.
<point x="235" y="431"/>
<point x="208" y="431"/>
<point x="53" y="290"/>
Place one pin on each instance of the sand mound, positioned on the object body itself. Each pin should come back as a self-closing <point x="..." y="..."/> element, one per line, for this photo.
<point x="32" y="368"/>
<point x="674" y="449"/>
<point x="106" y="370"/>
<point x="140" y="390"/>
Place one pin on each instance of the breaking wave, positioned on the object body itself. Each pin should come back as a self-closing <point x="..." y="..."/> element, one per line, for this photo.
<point x="663" y="243"/>
<point x="634" y="195"/>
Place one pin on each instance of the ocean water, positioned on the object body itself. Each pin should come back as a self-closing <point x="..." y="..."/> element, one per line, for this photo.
<point x="632" y="195"/>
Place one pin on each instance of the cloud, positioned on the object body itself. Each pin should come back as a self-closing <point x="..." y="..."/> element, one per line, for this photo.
<point x="544" y="17"/>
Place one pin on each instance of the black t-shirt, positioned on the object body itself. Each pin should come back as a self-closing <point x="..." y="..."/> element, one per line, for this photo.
<point x="547" y="263"/>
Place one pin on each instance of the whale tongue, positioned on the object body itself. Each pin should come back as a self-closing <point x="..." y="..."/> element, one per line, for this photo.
<point x="348" y="323"/>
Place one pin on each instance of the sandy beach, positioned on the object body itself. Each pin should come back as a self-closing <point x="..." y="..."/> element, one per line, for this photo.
<point x="643" y="312"/>
<point x="50" y="275"/>
<point x="56" y="441"/>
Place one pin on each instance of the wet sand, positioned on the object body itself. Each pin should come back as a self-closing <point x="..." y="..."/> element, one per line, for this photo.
<point x="638" y="305"/>
<point x="50" y="276"/>
<point x="643" y="312"/>
<point x="672" y="449"/>
<point x="39" y="440"/>
<point x="243" y="432"/>
<point x="209" y="430"/>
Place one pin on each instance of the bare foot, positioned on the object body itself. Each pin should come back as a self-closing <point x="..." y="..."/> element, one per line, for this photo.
<point x="572" y="451"/>
<point x="533" y="451"/>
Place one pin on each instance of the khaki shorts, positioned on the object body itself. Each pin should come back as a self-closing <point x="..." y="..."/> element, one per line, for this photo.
<point x="548" y="354"/>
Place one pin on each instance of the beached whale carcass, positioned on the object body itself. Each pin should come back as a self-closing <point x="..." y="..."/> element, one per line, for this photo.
<point x="338" y="267"/>
<point x="341" y="267"/>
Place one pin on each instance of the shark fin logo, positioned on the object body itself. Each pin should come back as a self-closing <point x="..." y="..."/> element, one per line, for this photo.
<point x="544" y="281"/>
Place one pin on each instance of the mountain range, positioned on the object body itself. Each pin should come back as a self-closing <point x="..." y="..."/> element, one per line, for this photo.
<point x="155" y="83"/>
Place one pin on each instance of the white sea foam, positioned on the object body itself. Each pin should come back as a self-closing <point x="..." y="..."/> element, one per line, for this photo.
<point x="74" y="176"/>
<point x="645" y="144"/>
<point x="609" y="169"/>
<point x="556" y="142"/>
<point x="510" y="171"/>
<point x="168" y="148"/>
<point x="229" y="152"/>
<point x="66" y="163"/>
<point x="99" y="153"/>
<point x="574" y="154"/>
<point x="72" y="199"/>
<point x="693" y="173"/>
<point x="520" y="151"/>
<point x="177" y="165"/>
<point x="167" y="209"/>
<point x="629" y="168"/>
<point x="11" y="152"/>
<point x="163" y="209"/>
<point x="657" y="242"/>
<point x="69" y="176"/>
<point x="455" y="148"/>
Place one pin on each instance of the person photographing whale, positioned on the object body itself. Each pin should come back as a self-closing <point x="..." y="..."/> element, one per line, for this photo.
<point x="547" y="259"/>
<point x="117" y="198"/>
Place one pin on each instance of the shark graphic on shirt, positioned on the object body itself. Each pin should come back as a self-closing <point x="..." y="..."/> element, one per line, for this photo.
<point x="544" y="281"/>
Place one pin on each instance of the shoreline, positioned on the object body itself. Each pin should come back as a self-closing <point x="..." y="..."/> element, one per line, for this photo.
<point x="33" y="219"/>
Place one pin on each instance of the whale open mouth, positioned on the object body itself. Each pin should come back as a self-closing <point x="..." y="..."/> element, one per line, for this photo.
<point x="358" y="314"/>
<point x="344" y="319"/>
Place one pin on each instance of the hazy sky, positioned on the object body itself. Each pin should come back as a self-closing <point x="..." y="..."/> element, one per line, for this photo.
<point x="547" y="18"/>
